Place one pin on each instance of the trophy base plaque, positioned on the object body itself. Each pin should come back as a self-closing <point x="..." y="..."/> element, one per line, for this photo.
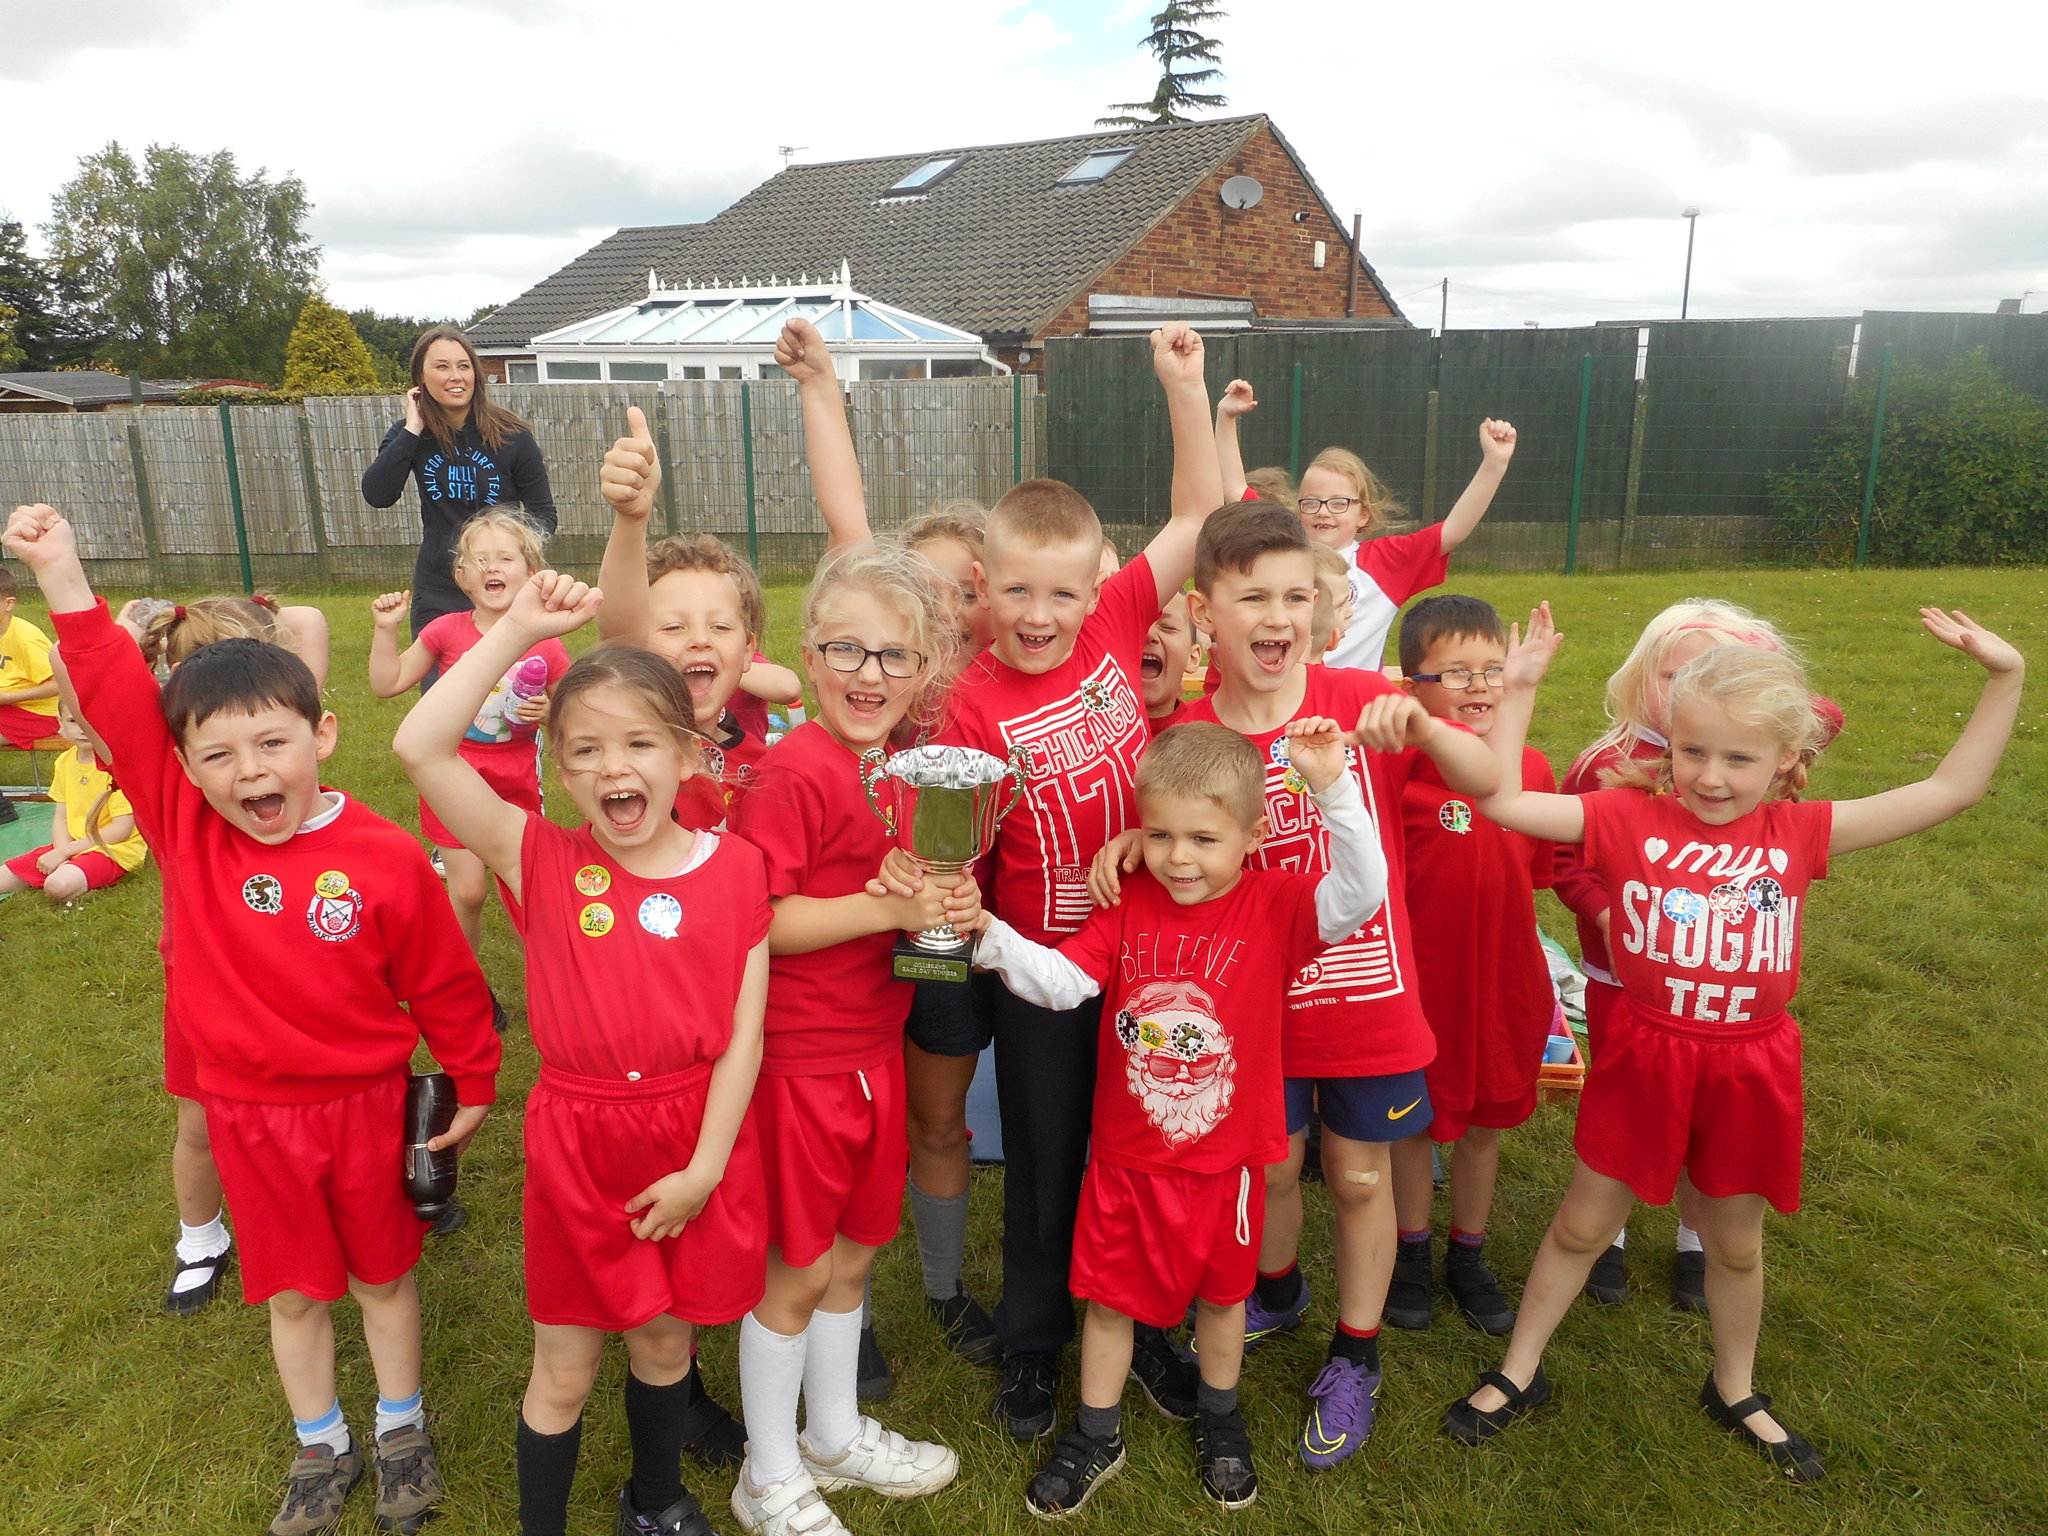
<point x="914" y="960"/>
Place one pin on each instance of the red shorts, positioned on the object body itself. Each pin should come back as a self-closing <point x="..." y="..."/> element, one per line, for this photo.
<point x="592" y="1144"/>
<point x="1150" y="1244"/>
<point x="835" y="1153"/>
<point x="1452" y="1124"/>
<point x="316" y="1191"/>
<point x="99" y="870"/>
<point x="181" y="1067"/>
<point x="24" y="727"/>
<point x="512" y="771"/>
<point x="1725" y="1108"/>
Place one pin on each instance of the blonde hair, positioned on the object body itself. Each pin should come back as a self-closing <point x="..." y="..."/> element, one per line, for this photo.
<point x="1629" y="690"/>
<point x="1272" y="483"/>
<point x="1206" y="761"/>
<point x="709" y="553"/>
<point x="905" y="583"/>
<point x="506" y="518"/>
<point x="1383" y="512"/>
<point x="962" y="521"/>
<point x="175" y="632"/>
<point x="1330" y="567"/>
<point x="1758" y="690"/>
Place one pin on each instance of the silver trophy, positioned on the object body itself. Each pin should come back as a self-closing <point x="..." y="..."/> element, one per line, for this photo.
<point x="944" y="806"/>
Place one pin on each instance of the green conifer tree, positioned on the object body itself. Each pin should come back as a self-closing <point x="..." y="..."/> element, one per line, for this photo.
<point x="325" y="356"/>
<point x="1187" y="59"/>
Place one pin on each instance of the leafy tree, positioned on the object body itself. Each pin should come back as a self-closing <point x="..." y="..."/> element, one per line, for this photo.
<point x="1187" y="59"/>
<point x="194" y="268"/>
<point x="48" y="329"/>
<point x="390" y="339"/>
<point x="1962" y="473"/>
<point x="325" y="356"/>
<point x="13" y="358"/>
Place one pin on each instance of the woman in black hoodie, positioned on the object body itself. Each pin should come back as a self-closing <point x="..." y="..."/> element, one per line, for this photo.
<point x="466" y="454"/>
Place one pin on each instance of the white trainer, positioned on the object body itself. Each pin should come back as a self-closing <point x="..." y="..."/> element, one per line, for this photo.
<point x="793" y="1507"/>
<point x="883" y="1462"/>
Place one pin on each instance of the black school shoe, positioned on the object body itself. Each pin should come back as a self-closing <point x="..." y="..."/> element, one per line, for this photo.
<point x="1028" y="1393"/>
<point x="874" y="1380"/>
<point x="198" y="1298"/>
<point x="1409" y="1295"/>
<point x="1689" y="1282"/>
<point x="1476" y="1290"/>
<point x="1793" y="1455"/>
<point x="1079" y="1465"/>
<point x="7" y="811"/>
<point x="1223" y="1456"/>
<point x="685" y="1517"/>
<point x="1608" y="1282"/>
<point x="716" y="1441"/>
<point x="1168" y="1373"/>
<point x="1475" y="1427"/>
<point x="970" y="1332"/>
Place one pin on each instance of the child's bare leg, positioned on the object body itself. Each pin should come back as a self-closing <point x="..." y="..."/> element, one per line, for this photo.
<point x="1475" y="1167"/>
<point x="195" y="1182"/>
<point x="1594" y="1209"/>
<point x="937" y="1115"/>
<point x="1219" y="1342"/>
<point x="469" y="882"/>
<point x="1732" y="1233"/>
<point x="1414" y="1186"/>
<point x="302" y="1344"/>
<point x="565" y="1365"/>
<point x="1359" y="1174"/>
<point x="1281" y="1241"/>
<point x="1105" y="1356"/>
<point x="391" y="1327"/>
<point x="11" y="884"/>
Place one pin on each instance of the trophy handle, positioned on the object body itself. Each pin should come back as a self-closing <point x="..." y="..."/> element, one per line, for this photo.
<point x="1020" y="766"/>
<point x="872" y="771"/>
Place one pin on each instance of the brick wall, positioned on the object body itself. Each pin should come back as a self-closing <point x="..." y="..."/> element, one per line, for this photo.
<point x="1205" y="250"/>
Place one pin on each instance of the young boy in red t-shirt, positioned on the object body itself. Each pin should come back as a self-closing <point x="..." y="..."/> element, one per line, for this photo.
<point x="1194" y="959"/>
<point x="313" y="949"/>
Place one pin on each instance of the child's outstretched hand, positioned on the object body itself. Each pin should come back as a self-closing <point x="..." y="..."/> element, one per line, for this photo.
<point x="1315" y="748"/>
<point x="1177" y="354"/>
<point x="900" y="875"/>
<point x="1529" y="657"/>
<point x="1237" y="399"/>
<point x="631" y="472"/>
<point x="40" y="537"/>
<point x="553" y="603"/>
<point x="671" y="1203"/>
<point x="389" y="611"/>
<point x="1995" y="655"/>
<point x="1393" y="722"/>
<point x="1118" y="857"/>
<point x="802" y="354"/>
<point x="1496" y="441"/>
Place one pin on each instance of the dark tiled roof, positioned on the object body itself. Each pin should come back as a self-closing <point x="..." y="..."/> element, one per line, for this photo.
<point x="85" y="387"/>
<point x="610" y="273"/>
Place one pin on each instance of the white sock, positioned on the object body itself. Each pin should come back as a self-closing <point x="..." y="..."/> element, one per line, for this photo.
<point x="209" y="1241"/>
<point x="407" y="1413"/>
<point x="831" y="1375"/>
<point x="1620" y="1239"/>
<point x="1688" y="1240"/>
<point x="330" y="1430"/>
<point x="771" y="1381"/>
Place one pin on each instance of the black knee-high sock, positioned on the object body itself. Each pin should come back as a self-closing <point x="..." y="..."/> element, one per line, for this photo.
<point x="656" y="1420"/>
<point x="547" y="1466"/>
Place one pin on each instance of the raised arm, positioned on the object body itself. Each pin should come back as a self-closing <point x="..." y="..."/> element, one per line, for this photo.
<point x="1177" y="358"/>
<point x="392" y="671"/>
<point x="1558" y="818"/>
<point x="1960" y="780"/>
<point x="772" y="683"/>
<point x="308" y="627"/>
<point x="828" y="440"/>
<point x="628" y="479"/>
<point x="1496" y="447"/>
<point x="1235" y="401"/>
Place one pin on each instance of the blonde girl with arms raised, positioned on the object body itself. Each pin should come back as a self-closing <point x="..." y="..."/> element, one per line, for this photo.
<point x="646" y="974"/>
<point x="1708" y="861"/>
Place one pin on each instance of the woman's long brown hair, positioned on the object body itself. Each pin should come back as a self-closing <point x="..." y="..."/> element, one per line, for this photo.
<point x="493" y="422"/>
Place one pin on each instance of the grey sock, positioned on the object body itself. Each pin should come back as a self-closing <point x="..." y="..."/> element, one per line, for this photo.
<point x="1210" y="1399"/>
<point x="941" y="1239"/>
<point x="1100" y="1423"/>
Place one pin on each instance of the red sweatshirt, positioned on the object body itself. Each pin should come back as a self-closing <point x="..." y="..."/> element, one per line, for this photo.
<point x="290" y="967"/>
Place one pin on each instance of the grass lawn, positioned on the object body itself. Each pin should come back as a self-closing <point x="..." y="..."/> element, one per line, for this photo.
<point x="1905" y="1333"/>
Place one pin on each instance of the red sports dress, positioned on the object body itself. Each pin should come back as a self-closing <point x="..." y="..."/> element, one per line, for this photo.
<point x="631" y="985"/>
<point x="1484" y="979"/>
<point x="1700" y="1063"/>
<point x="831" y="1100"/>
<point x="504" y="750"/>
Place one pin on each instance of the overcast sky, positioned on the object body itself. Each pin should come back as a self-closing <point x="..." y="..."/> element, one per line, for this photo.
<point x="457" y="151"/>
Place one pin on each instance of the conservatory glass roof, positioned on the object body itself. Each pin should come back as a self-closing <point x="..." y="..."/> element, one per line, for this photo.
<point x="753" y="316"/>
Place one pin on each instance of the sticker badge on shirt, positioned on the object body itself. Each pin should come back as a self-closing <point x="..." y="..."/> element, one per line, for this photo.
<point x="661" y="915"/>
<point x="1455" y="816"/>
<point x="1095" y="695"/>
<point x="1765" y="894"/>
<point x="594" y="921"/>
<point x="335" y="918"/>
<point x="593" y="880"/>
<point x="1684" y="906"/>
<point x="1728" y="901"/>
<point x="332" y="883"/>
<point x="263" y="894"/>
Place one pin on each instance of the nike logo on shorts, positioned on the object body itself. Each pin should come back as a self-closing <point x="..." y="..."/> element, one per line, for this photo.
<point x="1395" y="1114"/>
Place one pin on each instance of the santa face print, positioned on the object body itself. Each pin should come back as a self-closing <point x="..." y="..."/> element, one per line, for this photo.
<point x="1177" y="1063"/>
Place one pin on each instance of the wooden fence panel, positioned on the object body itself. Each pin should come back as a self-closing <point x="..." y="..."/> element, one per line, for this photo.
<point x="81" y="465"/>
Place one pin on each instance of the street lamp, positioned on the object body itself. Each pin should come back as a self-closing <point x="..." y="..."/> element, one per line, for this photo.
<point x="1692" y="225"/>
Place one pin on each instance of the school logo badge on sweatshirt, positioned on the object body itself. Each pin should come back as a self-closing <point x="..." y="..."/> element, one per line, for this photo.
<point x="335" y="918"/>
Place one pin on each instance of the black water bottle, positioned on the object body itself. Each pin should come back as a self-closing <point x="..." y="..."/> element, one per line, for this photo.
<point x="430" y="1176"/>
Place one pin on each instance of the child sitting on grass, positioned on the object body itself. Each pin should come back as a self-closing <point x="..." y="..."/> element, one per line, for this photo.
<point x="310" y="951"/>
<point x="28" y="688"/>
<point x="96" y="844"/>
<point x="1709" y="859"/>
<point x="1193" y="964"/>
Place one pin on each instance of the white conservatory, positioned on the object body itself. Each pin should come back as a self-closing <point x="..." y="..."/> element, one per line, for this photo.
<point x="730" y="332"/>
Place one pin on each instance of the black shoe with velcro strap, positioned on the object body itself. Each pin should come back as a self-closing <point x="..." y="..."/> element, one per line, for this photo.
<point x="1079" y="1464"/>
<point x="1223" y="1456"/>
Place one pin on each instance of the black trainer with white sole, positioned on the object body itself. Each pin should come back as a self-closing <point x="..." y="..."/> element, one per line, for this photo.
<point x="1167" y="1372"/>
<point x="1223" y="1455"/>
<point x="1079" y="1465"/>
<point x="1028" y="1394"/>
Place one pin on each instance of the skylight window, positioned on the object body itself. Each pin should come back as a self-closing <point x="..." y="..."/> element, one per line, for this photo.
<point x="924" y="175"/>
<point x="1095" y="167"/>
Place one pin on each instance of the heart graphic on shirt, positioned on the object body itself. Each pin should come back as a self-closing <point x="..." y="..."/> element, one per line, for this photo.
<point x="1778" y="860"/>
<point x="1654" y="848"/>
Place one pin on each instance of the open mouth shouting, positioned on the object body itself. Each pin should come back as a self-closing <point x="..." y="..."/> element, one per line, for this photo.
<point x="1152" y="664"/>
<point x="1034" y="645"/>
<point x="1271" y="656"/>
<point x="624" y="810"/>
<point x="698" y="677"/>
<point x="265" y="812"/>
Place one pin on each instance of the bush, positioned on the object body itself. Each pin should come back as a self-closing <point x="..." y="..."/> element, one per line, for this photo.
<point x="1962" y="473"/>
<point x="325" y="356"/>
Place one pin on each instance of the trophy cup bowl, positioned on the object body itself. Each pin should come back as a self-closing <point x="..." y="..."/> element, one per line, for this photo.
<point x="944" y="806"/>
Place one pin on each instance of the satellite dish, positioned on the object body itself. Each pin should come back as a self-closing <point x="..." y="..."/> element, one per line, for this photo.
<point x="1242" y="192"/>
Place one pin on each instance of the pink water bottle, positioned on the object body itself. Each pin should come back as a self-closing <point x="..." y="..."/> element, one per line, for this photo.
<point x="529" y="679"/>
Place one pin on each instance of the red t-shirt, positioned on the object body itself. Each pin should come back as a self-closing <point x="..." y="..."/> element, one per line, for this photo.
<point x="299" y="972"/>
<point x="750" y="713"/>
<point x="628" y="977"/>
<point x="1353" y="1012"/>
<point x="1084" y="725"/>
<point x="835" y="1009"/>
<point x="1385" y="573"/>
<point x="1187" y="1076"/>
<point x="705" y="800"/>
<point x="1578" y="887"/>
<point x="451" y="637"/>
<point x="1471" y="896"/>
<point x="1157" y="723"/>
<point x="1706" y="919"/>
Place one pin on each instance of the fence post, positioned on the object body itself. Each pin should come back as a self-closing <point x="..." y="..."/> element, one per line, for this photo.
<point x="1429" y="457"/>
<point x="1016" y="429"/>
<point x="145" y="503"/>
<point x="747" y="447"/>
<point x="663" y="445"/>
<point x="1571" y="536"/>
<point x="1294" y="428"/>
<point x="1884" y="389"/>
<point x="227" y="437"/>
<point x="1632" y="497"/>
<point x="307" y="472"/>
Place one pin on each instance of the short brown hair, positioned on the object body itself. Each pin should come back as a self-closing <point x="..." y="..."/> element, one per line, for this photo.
<point x="636" y="671"/>
<point x="1448" y="615"/>
<point x="707" y="552"/>
<point x="8" y="586"/>
<point x="962" y="521"/>
<point x="1037" y="513"/>
<point x="1234" y="537"/>
<point x="1206" y="761"/>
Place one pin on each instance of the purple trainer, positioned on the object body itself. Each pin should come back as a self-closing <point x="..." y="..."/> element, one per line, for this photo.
<point x="1262" y="1322"/>
<point x="1341" y="1401"/>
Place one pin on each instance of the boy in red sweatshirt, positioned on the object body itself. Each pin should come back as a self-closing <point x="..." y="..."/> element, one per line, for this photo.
<point x="305" y="927"/>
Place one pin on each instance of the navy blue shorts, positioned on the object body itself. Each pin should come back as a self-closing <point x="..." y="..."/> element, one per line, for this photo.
<point x="1390" y="1108"/>
<point x="948" y="1019"/>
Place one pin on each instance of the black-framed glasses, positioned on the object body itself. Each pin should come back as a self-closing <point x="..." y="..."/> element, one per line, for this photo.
<point x="1458" y="679"/>
<point x="1338" y="504"/>
<point x="895" y="661"/>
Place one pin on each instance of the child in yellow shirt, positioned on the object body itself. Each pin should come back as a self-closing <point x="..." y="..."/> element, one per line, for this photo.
<point x="98" y="843"/>
<point x="28" y="689"/>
